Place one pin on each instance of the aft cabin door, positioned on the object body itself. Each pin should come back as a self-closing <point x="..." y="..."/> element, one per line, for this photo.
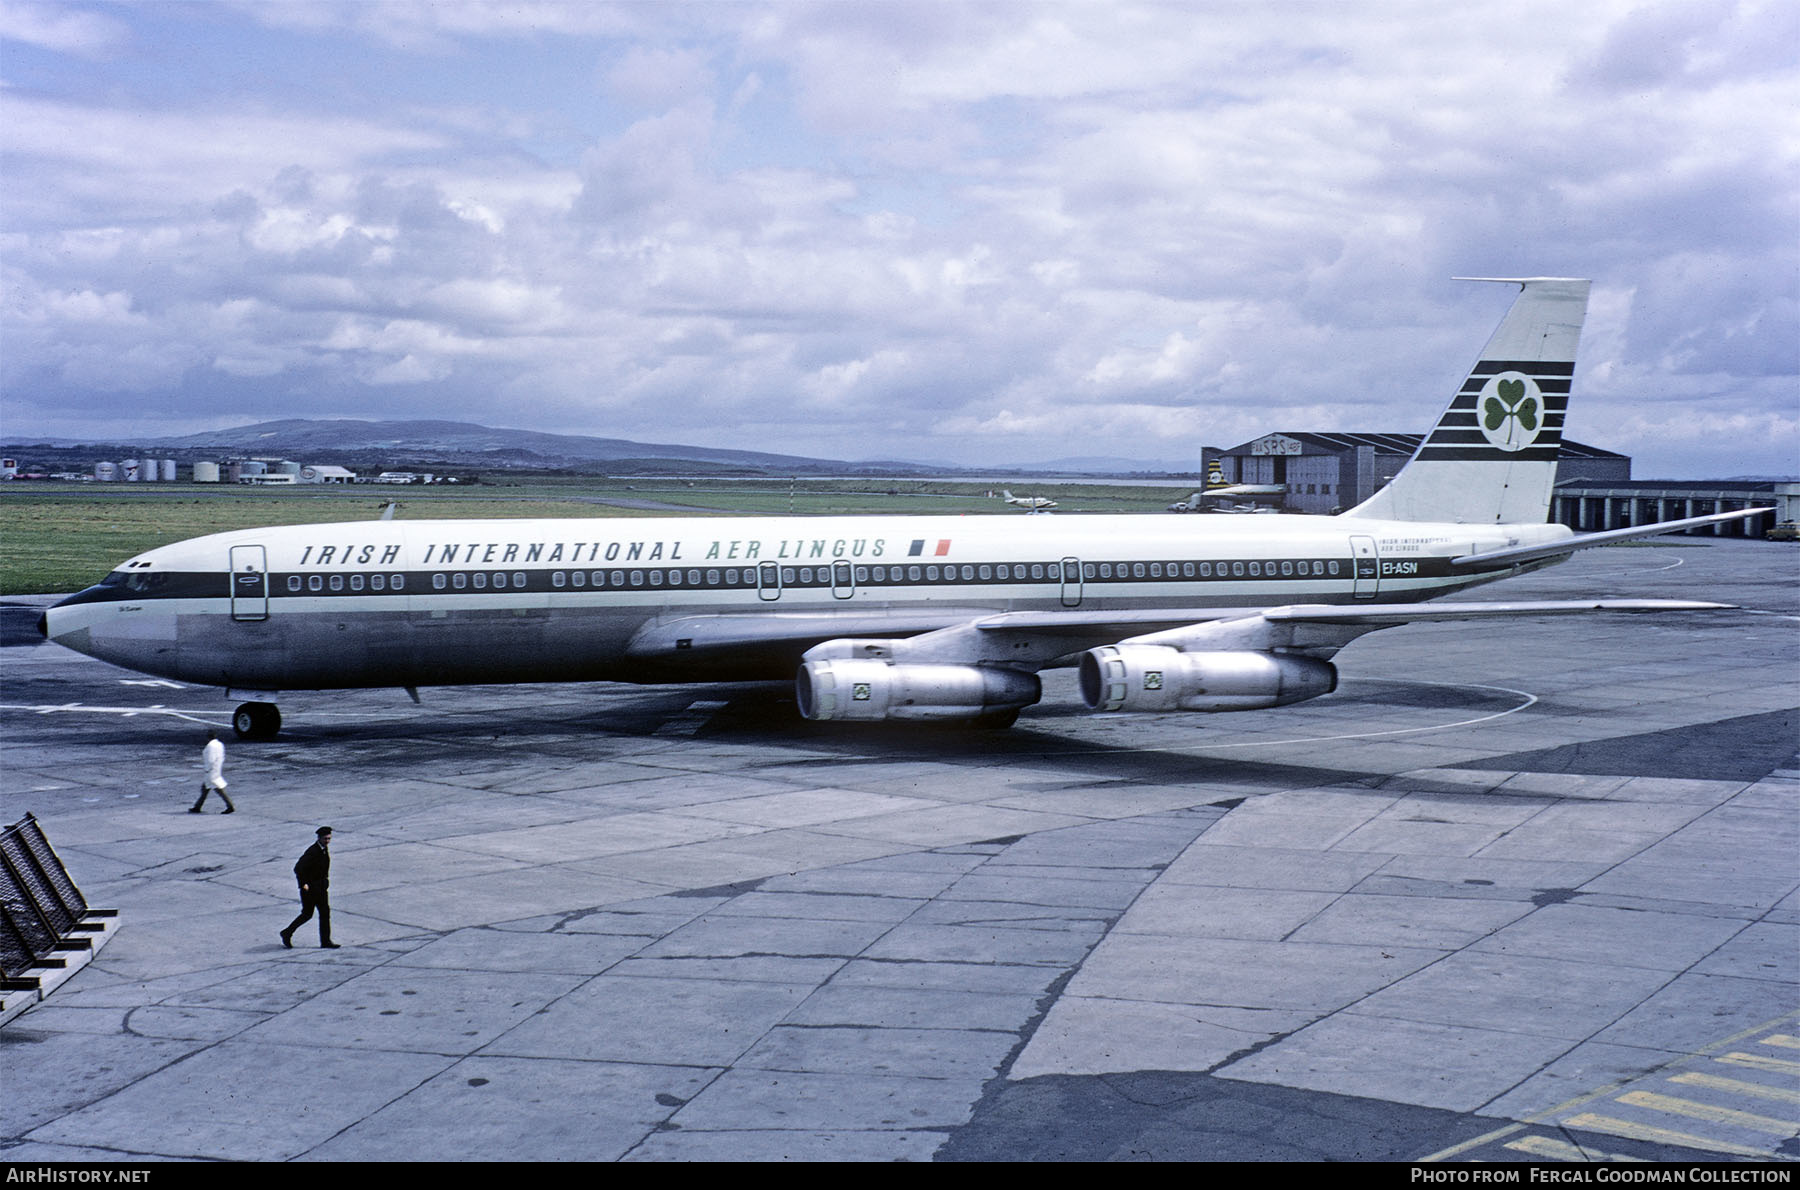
<point x="1071" y="582"/>
<point x="249" y="583"/>
<point x="1366" y="567"/>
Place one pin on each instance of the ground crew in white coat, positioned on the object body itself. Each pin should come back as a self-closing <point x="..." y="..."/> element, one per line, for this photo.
<point x="212" y="759"/>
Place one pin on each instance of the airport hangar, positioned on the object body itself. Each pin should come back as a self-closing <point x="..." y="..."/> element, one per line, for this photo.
<point x="1325" y="473"/>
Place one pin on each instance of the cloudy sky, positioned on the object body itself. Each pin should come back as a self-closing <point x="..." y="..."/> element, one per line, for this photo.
<point x="980" y="232"/>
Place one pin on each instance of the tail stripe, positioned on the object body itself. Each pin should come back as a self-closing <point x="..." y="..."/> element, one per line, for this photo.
<point x="1490" y="367"/>
<point x="1545" y="385"/>
<point x="1461" y="424"/>
<point x="1480" y="454"/>
<point x="1466" y="404"/>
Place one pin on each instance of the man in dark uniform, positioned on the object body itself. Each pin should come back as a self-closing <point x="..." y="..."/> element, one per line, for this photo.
<point x="313" y="871"/>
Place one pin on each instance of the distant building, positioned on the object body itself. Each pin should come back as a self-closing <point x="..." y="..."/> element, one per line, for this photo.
<point x="1327" y="473"/>
<point x="1589" y="506"/>
<point x="326" y="474"/>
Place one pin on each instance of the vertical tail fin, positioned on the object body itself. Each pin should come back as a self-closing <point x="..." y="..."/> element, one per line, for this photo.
<point x="1491" y="459"/>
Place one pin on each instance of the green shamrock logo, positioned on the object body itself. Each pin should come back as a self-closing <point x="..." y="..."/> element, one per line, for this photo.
<point x="1511" y="411"/>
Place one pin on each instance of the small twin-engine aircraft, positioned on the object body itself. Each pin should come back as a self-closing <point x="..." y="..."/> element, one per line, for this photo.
<point x="907" y="618"/>
<point x="1029" y="503"/>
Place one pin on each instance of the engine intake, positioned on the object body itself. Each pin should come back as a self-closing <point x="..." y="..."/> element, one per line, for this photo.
<point x="862" y="689"/>
<point x="1157" y="678"/>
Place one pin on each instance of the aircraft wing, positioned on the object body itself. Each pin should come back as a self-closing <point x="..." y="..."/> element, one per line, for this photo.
<point x="771" y="644"/>
<point x="1132" y="622"/>
<point x="1248" y="489"/>
<point x="1318" y="630"/>
<point x="1582" y="541"/>
<point x="709" y="637"/>
<point x="774" y="640"/>
<point x="766" y="643"/>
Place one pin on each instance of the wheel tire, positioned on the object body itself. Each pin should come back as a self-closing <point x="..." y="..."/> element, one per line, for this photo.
<point x="256" y="721"/>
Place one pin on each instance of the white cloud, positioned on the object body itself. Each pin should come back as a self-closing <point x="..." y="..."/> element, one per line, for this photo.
<point x="655" y="77"/>
<point x="53" y="27"/>
<point x="149" y="163"/>
<point x="989" y="232"/>
<point x="83" y="308"/>
<point x="408" y="369"/>
<point x="495" y="303"/>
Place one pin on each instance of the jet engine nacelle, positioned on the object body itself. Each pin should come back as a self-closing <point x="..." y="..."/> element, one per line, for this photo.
<point x="860" y="689"/>
<point x="1157" y="678"/>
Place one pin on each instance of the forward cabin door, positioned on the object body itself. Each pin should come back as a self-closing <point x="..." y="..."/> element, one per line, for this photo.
<point x="249" y="583"/>
<point x="1365" y="566"/>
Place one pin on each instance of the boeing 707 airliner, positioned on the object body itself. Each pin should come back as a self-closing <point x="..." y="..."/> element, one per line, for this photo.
<point x="885" y="618"/>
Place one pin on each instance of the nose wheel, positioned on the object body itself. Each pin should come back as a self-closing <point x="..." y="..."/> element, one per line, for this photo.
<point x="256" y="721"/>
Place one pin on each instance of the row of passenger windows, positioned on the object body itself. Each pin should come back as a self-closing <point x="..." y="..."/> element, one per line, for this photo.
<point x="841" y="575"/>
<point x="353" y="582"/>
<point x="804" y="576"/>
<point x="479" y="580"/>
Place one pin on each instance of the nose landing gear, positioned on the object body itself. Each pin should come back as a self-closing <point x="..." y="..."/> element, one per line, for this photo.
<point x="256" y="721"/>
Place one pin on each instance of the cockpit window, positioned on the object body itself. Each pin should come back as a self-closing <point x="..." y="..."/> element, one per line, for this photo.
<point x="136" y="580"/>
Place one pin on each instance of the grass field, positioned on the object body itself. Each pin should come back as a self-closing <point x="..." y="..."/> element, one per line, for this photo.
<point x="59" y="538"/>
<point x="58" y="541"/>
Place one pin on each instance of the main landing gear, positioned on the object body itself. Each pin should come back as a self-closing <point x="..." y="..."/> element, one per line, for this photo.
<point x="256" y="721"/>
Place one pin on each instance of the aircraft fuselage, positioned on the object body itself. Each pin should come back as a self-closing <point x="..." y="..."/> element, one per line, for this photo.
<point x="391" y="603"/>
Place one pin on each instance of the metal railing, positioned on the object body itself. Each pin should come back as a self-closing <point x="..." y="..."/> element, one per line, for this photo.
<point x="43" y="916"/>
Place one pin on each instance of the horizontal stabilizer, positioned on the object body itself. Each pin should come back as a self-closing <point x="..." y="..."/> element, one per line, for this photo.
<point x="1529" y="553"/>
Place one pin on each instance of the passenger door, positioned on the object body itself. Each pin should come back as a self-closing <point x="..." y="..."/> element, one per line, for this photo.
<point x="249" y="583"/>
<point x="1366" y="567"/>
<point x="768" y="582"/>
<point x="1071" y="582"/>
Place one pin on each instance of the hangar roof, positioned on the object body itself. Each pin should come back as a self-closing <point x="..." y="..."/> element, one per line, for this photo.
<point x="1389" y="444"/>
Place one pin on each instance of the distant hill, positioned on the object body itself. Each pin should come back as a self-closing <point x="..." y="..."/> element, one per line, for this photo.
<point x="454" y="444"/>
<point x="443" y="443"/>
<point x="1114" y="465"/>
<point x="459" y="441"/>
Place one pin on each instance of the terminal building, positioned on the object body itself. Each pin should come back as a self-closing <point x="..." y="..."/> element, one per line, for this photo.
<point x="1590" y="506"/>
<point x="1328" y="473"/>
